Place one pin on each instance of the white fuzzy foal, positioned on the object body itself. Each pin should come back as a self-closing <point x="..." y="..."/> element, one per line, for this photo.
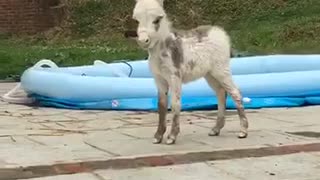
<point x="177" y="57"/>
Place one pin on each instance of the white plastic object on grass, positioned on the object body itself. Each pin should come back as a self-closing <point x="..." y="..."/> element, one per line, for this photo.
<point x="24" y="99"/>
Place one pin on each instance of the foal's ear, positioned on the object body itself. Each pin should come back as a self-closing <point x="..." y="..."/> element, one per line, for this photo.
<point x="160" y="2"/>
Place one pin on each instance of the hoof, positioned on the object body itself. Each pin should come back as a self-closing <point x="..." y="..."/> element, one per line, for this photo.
<point x="242" y="135"/>
<point x="157" y="140"/>
<point x="171" y="141"/>
<point x="214" y="133"/>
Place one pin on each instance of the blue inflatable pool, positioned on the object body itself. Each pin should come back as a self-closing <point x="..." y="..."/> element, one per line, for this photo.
<point x="269" y="81"/>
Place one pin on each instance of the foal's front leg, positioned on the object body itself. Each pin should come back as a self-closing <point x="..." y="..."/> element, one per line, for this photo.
<point x="175" y="89"/>
<point x="162" y="86"/>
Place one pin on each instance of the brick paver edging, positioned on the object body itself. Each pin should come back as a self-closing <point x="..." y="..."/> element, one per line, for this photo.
<point x="151" y="161"/>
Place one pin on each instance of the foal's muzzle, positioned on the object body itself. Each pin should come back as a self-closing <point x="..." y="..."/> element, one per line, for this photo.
<point x="143" y="40"/>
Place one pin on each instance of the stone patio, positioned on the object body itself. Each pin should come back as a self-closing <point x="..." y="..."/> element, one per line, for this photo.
<point x="46" y="136"/>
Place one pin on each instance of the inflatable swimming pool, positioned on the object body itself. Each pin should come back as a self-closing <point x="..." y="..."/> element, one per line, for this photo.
<point x="269" y="81"/>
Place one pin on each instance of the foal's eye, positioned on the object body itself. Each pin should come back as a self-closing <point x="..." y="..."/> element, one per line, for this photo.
<point x="157" y="20"/>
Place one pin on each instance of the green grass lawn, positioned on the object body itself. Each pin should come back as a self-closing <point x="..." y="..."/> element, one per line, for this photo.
<point x="256" y="27"/>
<point x="16" y="56"/>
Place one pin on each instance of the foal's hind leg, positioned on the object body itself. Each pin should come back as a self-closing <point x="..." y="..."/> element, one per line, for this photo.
<point x="226" y="81"/>
<point x="221" y="95"/>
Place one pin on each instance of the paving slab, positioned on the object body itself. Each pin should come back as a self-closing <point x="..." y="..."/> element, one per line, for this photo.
<point x="294" y="167"/>
<point x="80" y="176"/>
<point x="196" y="171"/>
